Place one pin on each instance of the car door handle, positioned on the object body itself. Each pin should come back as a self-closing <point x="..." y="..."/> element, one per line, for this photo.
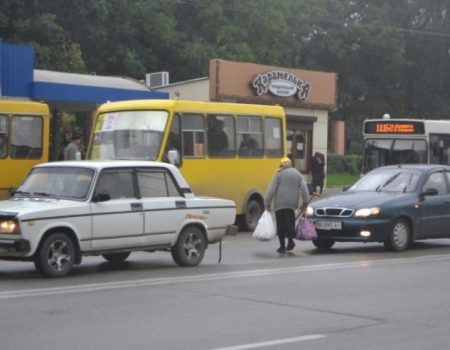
<point x="180" y="204"/>
<point x="136" y="206"/>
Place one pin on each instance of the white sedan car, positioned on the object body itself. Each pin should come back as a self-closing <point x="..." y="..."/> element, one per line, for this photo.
<point x="65" y="210"/>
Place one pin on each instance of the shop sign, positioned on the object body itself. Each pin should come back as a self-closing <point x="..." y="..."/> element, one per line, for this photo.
<point x="282" y="84"/>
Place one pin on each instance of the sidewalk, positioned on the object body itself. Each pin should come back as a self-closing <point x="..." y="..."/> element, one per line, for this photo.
<point x="330" y="191"/>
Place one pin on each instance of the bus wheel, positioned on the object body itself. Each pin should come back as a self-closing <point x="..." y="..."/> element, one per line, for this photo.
<point x="56" y="256"/>
<point x="253" y="212"/>
<point x="190" y="247"/>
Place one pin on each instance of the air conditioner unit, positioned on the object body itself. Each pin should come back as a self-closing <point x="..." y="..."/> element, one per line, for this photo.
<point x="157" y="79"/>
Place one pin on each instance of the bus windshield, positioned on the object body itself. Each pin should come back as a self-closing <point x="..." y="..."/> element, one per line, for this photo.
<point x="379" y="152"/>
<point x="128" y="135"/>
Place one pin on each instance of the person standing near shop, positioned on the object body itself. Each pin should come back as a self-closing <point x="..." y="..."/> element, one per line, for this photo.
<point x="318" y="171"/>
<point x="288" y="192"/>
<point x="72" y="151"/>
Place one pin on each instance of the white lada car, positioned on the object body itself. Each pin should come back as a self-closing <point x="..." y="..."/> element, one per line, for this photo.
<point x="66" y="210"/>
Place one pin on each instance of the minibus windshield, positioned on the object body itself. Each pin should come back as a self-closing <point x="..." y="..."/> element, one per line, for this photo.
<point x="128" y="135"/>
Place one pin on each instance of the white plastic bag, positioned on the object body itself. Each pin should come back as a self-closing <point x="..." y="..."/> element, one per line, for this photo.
<point x="266" y="228"/>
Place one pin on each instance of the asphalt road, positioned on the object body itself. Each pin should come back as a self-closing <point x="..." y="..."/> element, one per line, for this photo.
<point x="355" y="297"/>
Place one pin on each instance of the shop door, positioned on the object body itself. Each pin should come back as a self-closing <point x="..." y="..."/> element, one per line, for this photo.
<point x="299" y="143"/>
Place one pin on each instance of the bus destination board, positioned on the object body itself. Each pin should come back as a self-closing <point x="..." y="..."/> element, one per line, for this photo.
<point x="394" y="127"/>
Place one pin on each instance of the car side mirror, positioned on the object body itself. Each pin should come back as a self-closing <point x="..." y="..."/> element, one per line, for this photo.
<point x="345" y="188"/>
<point x="430" y="192"/>
<point x="174" y="157"/>
<point x="101" y="197"/>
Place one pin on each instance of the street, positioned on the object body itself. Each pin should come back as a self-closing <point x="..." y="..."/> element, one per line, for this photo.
<point x="355" y="297"/>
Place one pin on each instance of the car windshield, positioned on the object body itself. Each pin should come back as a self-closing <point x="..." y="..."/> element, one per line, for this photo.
<point x="128" y="135"/>
<point x="388" y="180"/>
<point x="57" y="182"/>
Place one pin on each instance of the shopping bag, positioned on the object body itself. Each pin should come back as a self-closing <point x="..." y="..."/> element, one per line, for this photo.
<point x="265" y="229"/>
<point x="306" y="230"/>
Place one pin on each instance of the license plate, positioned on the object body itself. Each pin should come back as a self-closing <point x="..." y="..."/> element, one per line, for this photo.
<point x="329" y="225"/>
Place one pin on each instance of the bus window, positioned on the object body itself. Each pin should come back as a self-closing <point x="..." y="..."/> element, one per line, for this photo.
<point x="440" y="149"/>
<point x="26" y="137"/>
<point x="250" y="136"/>
<point x="273" y="137"/>
<point x="128" y="135"/>
<point x="376" y="153"/>
<point x="3" y="136"/>
<point x="409" y="152"/>
<point x="220" y="136"/>
<point x="193" y="127"/>
<point x="379" y="152"/>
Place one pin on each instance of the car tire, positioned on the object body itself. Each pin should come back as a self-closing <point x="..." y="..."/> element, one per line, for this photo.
<point x="323" y="244"/>
<point x="399" y="237"/>
<point x="190" y="247"/>
<point x="55" y="256"/>
<point x="253" y="211"/>
<point x="116" y="257"/>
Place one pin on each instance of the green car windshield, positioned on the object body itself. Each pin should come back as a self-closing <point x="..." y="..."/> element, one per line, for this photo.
<point x="392" y="180"/>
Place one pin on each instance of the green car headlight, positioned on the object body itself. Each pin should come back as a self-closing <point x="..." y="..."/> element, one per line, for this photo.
<point x="9" y="227"/>
<point x="365" y="212"/>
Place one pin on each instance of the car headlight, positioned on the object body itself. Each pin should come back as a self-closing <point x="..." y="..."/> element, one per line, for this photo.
<point x="309" y="211"/>
<point x="365" y="212"/>
<point x="9" y="226"/>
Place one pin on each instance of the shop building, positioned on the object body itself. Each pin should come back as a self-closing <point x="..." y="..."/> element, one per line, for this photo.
<point x="307" y="97"/>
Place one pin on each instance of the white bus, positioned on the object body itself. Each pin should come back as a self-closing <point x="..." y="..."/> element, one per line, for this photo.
<point x="400" y="141"/>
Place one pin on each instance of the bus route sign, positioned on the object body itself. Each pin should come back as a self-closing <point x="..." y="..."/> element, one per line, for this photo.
<point x="394" y="127"/>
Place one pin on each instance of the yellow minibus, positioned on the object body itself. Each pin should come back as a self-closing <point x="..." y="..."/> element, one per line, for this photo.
<point x="227" y="150"/>
<point x="24" y="140"/>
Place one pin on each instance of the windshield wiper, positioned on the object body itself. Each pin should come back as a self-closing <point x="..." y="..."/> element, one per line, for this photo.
<point x="22" y="193"/>
<point x="44" y="194"/>
<point x="387" y="182"/>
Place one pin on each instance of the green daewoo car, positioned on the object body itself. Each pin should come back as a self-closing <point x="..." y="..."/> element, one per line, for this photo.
<point x="395" y="205"/>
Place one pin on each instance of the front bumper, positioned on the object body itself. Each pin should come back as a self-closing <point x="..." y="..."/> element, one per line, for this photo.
<point x="14" y="246"/>
<point x="351" y="229"/>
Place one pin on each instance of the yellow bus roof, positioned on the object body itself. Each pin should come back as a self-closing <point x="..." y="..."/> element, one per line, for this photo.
<point x="22" y="106"/>
<point x="192" y="106"/>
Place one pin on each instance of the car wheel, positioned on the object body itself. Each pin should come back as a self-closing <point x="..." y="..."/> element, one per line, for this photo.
<point x="323" y="244"/>
<point x="253" y="211"/>
<point x="190" y="247"/>
<point x="399" y="238"/>
<point x="56" y="256"/>
<point x="116" y="257"/>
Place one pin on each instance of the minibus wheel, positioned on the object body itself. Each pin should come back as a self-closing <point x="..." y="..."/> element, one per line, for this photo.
<point x="253" y="211"/>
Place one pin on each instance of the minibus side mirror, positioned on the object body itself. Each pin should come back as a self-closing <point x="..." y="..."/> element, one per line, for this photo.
<point x="174" y="157"/>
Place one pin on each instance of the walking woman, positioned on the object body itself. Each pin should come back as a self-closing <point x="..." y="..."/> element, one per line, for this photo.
<point x="285" y="190"/>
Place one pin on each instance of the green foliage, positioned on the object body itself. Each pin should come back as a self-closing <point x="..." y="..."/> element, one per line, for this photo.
<point x="390" y="56"/>
<point x="350" y="164"/>
<point x="341" y="179"/>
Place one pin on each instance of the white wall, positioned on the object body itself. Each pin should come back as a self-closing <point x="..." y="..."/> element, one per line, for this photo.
<point x="196" y="90"/>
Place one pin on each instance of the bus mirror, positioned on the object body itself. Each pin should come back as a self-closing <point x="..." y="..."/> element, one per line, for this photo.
<point x="174" y="157"/>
